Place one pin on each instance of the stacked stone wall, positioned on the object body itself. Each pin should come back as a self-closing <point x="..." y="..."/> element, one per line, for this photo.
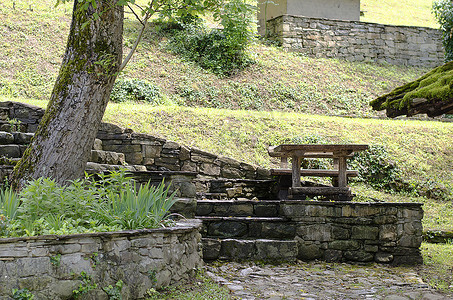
<point x="50" y="267"/>
<point x="359" y="232"/>
<point x="156" y="154"/>
<point x="359" y="41"/>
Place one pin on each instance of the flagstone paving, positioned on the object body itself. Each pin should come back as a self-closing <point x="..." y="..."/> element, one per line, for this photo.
<point x="318" y="280"/>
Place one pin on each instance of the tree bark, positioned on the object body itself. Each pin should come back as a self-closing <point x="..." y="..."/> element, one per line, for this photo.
<point x="61" y="146"/>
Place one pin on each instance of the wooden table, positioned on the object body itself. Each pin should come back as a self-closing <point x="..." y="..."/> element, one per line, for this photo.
<point x="338" y="152"/>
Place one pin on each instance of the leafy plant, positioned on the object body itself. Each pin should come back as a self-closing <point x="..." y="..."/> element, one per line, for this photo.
<point x="55" y="260"/>
<point x="114" y="292"/>
<point x="146" y="208"/>
<point x="222" y="51"/>
<point x="443" y="12"/>
<point x="22" y="294"/>
<point x="110" y="203"/>
<point x="9" y="203"/>
<point x="377" y="169"/>
<point x="136" y="90"/>
<point x="85" y="286"/>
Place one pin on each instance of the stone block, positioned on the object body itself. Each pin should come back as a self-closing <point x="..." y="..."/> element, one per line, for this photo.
<point x="189" y="166"/>
<point x="360" y="256"/>
<point x="184" y="153"/>
<point x="245" y="209"/>
<point x="266" y="210"/>
<point x="333" y="255"/>
<point x="380" y="220"/>
<point x="185" y="207"/>
<point x="344" y="245"/>
<point x="229" y="172"/>
<point x="204" y="209"/>
<point x="410" y="241"/>
<point x="318" y="232"/>
<point x="276" y="250"/>
<point x="228" y="229"/>
<point x="211" y="249"/>
<point x="202" y="156"/>
<point x="340" y="233"/>
<point x="387" y="233"/>
<point x="309" y="251"/>
<point x="278" y="230"/>
<point x="383" y="257"/>
<point x="22" y="138"/>
<point x="364" y="232"/>
<point x="359" y="211"/>
<point x="152" y="151"/>
<point x="10" y="151"/>
<point x="210" y="169"/>
<point x="237" y="249"/>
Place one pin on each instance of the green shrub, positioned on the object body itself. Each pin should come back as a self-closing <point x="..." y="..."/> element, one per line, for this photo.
<point x="136" y="90"/>
<point x="110" y="203"/>
<point x="443" y="12"/>
<point x="377" y="169"/>
<point x="222" y="51"/>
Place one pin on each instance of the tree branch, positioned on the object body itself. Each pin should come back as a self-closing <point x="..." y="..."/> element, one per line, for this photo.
<point x="140" y="35"/>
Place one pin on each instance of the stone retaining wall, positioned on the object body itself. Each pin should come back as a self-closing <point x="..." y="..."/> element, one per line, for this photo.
<point x="51" y="266"/>
<point x="359" y="41"/>
<point x="359" y="232"/>
<point x="144" y="149"/>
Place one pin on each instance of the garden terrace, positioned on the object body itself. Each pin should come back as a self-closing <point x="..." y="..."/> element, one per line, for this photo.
<point x="237" y="203"/>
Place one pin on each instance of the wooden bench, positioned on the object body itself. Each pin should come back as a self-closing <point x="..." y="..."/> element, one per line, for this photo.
<point x="290" y="179"/>
<point x="314" y="172"/>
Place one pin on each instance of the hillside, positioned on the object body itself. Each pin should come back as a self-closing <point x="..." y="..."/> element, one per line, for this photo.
<point x="33" y="39"/>
<point x="399" y="12"/>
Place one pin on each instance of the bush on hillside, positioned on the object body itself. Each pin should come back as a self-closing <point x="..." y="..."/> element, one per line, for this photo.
<point x="136" y="90"/>
<point x="443" y="12"/>
<point x="222" y="51"/>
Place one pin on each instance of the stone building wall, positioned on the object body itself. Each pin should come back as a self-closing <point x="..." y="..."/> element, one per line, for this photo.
<point x="359" y="41"/>
<point x="156" y="154"/>
<point x="50" y="267"/>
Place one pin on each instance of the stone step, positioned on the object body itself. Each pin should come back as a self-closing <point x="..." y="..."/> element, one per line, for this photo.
<point x="107" y="157"/>
<point x="250" y="249"/>
<point x="227" y="208"/>
<point x="247" y="227"/>
<point x="237" y="188"/>
<point x="95" y="167"/>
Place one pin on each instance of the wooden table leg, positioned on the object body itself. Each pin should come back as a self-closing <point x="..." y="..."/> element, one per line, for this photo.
<point x="296" y="162"/>
<point x="342" y="178"/>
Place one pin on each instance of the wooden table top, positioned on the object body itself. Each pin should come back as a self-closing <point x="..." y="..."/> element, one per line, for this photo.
<point x="288" y="149"/>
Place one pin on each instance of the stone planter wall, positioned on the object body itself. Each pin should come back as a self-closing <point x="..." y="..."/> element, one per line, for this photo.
<point x="359" y="41"/>
<point x="156" y="154"/>
<point x="50" y="266"/>
<point x="359" y="232"/>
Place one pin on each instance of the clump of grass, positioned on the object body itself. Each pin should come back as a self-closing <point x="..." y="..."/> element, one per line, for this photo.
<point x="200" y="288"/>
<point x="437" y="270"/>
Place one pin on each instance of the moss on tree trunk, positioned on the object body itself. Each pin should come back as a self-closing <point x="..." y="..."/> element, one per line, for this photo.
<point x="61" y="146"/>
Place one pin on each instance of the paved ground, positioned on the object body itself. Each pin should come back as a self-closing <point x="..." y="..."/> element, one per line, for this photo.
<point x="319" y="280"/>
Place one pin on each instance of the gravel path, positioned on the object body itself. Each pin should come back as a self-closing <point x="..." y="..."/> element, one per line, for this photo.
<point x="317" y="280"/>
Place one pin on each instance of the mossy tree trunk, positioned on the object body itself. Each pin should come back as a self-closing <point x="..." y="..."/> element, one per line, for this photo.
<point x="62" y="144"/>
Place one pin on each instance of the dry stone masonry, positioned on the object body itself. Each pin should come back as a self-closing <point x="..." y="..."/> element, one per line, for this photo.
<point x="51" y="266"/>
<point x="359" y="41"/>
<point x="237" y="202"/>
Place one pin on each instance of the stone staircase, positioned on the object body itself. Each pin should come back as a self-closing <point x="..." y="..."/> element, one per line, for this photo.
<point x="246" y="230"/>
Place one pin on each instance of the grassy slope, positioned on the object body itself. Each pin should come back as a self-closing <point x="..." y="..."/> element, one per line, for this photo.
<point x="399" y="12"/>
<point x="34" y="41"/>
<point x="421" y="148"/>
